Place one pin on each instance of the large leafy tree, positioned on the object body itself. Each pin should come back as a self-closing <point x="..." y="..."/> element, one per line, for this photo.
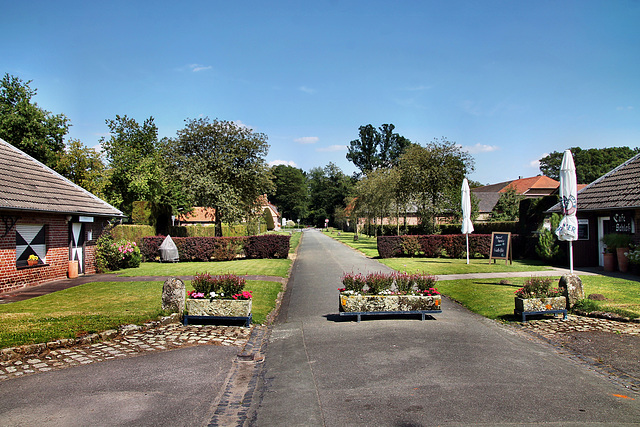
<point x="376" y="148"/>
<point x="328" y="188"/>
<point x="83" y="166"/>
<point x="132" y="157"/>
<point x="591" y="164"/>
<point x="291" y="192"/>
<point x="221" y="165"/>
<point x="28" y="127"/>
<point x="507" y="208"/>
<point x="431" y="177"/>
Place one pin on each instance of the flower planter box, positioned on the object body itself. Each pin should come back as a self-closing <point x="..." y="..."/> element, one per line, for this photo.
<point x="530" y="306"/>
<point x="218" y="309"/>
<point x="358" y="305"/>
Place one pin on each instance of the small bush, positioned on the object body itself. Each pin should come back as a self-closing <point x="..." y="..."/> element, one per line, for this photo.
<point x="203" y="283"/>
<point x="424" y="283"/>
<point x="353" y="282"/>
<point x="586" y="305"/>
<point x="113" y="255"/>
<point x="378" y="282"/>
<point x="410" y="245"/>
<point x="404" y="283"/>
<point x="226" y="286"/>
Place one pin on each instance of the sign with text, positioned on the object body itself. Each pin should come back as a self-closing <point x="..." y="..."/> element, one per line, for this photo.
<point x="500" y="247"/>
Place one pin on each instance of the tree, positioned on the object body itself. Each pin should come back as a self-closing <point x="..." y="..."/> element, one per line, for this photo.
<point x="591" y="164"/>
<point x="28" y="127"/>
<point x="431" y="177"/>
<point x="83" y="166"/>
<point x="221" y="165"/>
<point x="291" y="194"/>
<point x="328" y="188"/>
<point x="377" y="198"/>
<point x="507" y="207"/>
<point x="376" y="148"/>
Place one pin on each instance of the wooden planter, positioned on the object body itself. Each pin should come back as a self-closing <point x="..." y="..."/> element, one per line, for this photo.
<point x="358" y="305"/>
<point x="218" y="309"/>
<point x="529" y="306"/>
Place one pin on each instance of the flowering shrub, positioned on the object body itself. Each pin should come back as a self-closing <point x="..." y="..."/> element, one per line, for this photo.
<point x="634" y="256"/>
<point x="113" y="255"/>
<point x="389" y="284"/>
<point x="222" y="287"/>
<point x="538" y="287"/>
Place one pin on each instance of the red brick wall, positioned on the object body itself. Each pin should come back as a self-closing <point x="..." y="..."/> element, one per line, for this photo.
<point x="57" y="260"/>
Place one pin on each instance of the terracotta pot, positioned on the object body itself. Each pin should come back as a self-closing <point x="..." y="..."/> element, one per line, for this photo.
<point x="32" y="262"/>
<point x="73" y="269"/>
<point x="623" y="260"/>
<point x="609" y="262"/>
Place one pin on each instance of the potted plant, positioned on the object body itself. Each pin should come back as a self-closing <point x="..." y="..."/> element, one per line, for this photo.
<point x="634" y="260"/>
<point x="397" y="293"/>
<point x="538" y="297"/>
<point x="218" y="297"/>
<point x="32" y="260"/>
<point x="619" y="244"/>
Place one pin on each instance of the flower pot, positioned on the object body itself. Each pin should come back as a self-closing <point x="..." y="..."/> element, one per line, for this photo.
<point x="32" y="262"/>
<point x="609" y="261"/>
<point x="623" y="260"/>
<point x="73" y="269"/>
<point x="389" y="303"/>
<point x="218" y="307"/>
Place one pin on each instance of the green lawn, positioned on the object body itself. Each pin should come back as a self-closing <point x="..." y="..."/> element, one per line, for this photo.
<point x="438" y="266"/>
<point x="364" y="244"/>
<point x="494" y="300"/>
<point x="241" y="267"/>
<point x="96" y="307"/>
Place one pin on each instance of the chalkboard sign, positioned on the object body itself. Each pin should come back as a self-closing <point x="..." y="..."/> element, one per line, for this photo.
<point x="500" y="247"/>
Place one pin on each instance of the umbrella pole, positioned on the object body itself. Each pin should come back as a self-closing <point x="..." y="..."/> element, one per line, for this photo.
<point x="571" y="257"/>
<point x="467" y="248"/>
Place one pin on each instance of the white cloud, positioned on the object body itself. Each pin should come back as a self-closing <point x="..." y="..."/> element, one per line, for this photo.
<point x="241" y="125"/>
<point x="307" y="90"/>
<point x="333" y="148"/>
<point x="480" y="148"/>
<point x="198" y="67"/>
<point x="627" y="108"/>
<point x="536" y="163"/>
<point x="283" y="162"/>
<point x="307" y="140"/>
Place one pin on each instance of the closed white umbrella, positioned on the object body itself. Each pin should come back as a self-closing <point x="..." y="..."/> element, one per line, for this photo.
<point x="568" y="228"/>
<point x="467" y="225"/>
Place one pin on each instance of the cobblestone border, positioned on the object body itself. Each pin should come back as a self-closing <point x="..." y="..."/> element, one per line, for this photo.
<point x="12" y="353"/>
<point x="234" y="406"/>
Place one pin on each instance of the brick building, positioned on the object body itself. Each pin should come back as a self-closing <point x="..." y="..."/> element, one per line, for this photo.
<point x="45" y="216"/>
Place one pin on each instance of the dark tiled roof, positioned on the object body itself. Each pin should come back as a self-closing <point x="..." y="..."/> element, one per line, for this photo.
<point x="28" y="185"/>
<point x="486" y="201"/>
<point x="618" y="189"/>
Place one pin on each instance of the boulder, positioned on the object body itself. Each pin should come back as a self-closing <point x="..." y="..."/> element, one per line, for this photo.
<point x="571" y="286"/>
<point x="173" y="295"/>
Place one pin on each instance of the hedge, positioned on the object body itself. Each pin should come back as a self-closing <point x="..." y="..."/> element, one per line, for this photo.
<point x="436" y="245"/>
<point x="219" y="248"/>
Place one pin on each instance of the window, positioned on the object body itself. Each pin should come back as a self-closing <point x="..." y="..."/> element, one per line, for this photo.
<point x="30" y="240"/>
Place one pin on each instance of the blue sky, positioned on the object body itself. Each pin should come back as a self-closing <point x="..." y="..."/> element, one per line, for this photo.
<point x="507" y="80"/>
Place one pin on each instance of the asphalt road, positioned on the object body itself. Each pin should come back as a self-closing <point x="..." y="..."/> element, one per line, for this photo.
<point x="455" y="369"/>
<point x="170" y="388"/>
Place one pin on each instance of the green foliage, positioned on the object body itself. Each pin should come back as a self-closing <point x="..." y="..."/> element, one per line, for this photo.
<point x="221" y="165"/>
<point x="376" y="148"/>
<point x="410" y="245"/>
<point x="614" y="241"/>
<point x="141" y="213"/>
<point x="28" y="127"/>
<point x="133" y="233"/>
<point x="507" y="207"/>
<point x="586" y="305"/>
<point x="329" y="187"/>
<point x="548" y="248"/>
<point x="590" y="164"/>
<point x="291" y="194"/>
<point x="431" y="177"/>
<point x="268" y="218"/>
<point x="84" y="167"/>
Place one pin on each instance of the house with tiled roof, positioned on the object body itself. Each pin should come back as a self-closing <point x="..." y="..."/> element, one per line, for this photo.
<point x="610" y="204"/>
<point x="46" y="218"/>
<point x="207" y="216"/>
<point x="533" y="187"/>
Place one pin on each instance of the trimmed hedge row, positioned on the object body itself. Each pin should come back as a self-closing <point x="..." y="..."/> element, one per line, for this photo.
<point x="220" y="248"/>
<point x="434" y="245"/>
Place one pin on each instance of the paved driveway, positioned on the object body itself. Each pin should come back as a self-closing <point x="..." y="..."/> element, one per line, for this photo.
<point x="456" y="369"/>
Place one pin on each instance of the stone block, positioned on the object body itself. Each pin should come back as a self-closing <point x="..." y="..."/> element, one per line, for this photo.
<point x="173" y="295"/>
<point x="572" y="289"/>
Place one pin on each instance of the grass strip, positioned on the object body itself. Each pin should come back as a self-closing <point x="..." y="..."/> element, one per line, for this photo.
<point x="241" y="267"/>
<point x="96" y="307"/>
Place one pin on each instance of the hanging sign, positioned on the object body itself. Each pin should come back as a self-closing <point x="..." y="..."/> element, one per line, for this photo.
<point x="500" y="247"/>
